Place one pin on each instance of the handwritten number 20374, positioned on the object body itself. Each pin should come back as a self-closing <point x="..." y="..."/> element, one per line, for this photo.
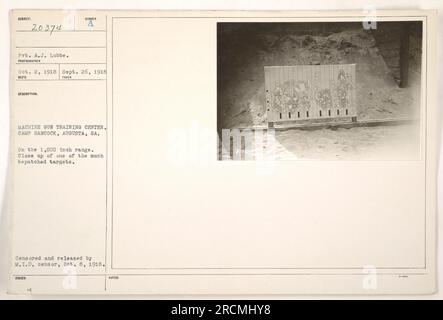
<point x="46" y="28"/>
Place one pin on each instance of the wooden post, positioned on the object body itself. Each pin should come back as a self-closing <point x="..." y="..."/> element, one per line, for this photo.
<point x="404" y="55"/>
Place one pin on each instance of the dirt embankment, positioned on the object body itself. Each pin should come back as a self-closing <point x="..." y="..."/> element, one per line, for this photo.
<point x="243" y="52"/>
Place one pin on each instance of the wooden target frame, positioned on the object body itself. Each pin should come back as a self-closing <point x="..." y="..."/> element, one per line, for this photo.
<point x="310" y="93"/>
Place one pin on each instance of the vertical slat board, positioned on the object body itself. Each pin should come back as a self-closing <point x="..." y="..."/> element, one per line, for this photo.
<point x="268" y="95"/>
<point x="310" y="92"/>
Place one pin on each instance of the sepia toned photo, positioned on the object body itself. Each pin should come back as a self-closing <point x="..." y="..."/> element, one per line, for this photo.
<point x="319" y="90"/>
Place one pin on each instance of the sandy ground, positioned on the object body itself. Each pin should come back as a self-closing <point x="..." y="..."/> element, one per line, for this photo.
<point x="400" y="142"/>
<point x="393" y="142"/>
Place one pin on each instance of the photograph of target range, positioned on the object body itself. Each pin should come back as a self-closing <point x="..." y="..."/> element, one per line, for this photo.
<point x="319" y="90"/>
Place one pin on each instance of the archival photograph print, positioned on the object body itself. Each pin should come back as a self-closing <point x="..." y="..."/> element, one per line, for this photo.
<point x="319" y="90"/>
